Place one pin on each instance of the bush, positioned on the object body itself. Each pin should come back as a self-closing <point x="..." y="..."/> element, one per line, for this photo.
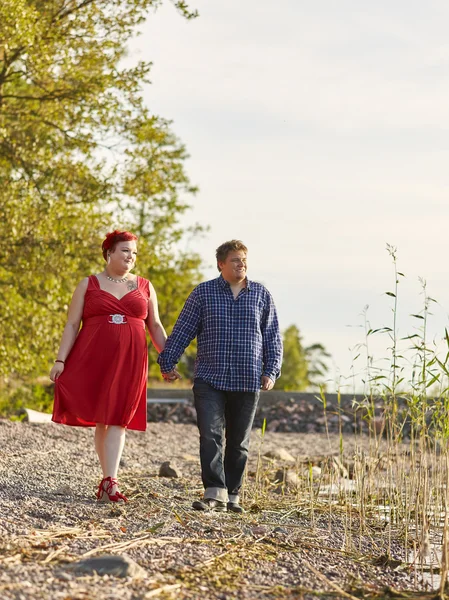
<point x="14" y="399"/>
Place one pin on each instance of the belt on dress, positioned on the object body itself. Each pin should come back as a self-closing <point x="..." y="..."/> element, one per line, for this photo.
<point x="115" y="319"/>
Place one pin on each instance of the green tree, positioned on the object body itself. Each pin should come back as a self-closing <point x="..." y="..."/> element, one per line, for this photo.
<point x="302" y="367"/>
<point x="79" y="154"/>
<point x="317" y="365"/>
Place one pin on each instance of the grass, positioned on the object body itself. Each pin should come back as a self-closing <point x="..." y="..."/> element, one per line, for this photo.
<point x="399" y="484"/>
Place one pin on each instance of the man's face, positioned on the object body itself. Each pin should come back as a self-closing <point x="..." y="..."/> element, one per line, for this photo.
<point x="233" y="268"/>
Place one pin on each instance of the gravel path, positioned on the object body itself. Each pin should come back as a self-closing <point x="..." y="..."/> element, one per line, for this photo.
<point x="49" y="520"/>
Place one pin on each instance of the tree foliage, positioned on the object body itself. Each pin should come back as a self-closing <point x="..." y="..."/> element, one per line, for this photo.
<point x="303" y="368"/>
<point x="80" y="153"/>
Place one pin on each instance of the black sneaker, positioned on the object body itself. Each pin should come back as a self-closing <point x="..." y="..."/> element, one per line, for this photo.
<point x="209" y="504"/>
<point x="235" y="507"/>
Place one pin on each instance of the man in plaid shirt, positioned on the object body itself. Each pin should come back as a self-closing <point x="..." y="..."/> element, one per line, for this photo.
<point x="239" y="353"/>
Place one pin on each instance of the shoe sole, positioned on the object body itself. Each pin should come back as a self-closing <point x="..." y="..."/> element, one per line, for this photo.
<point x="206" y="509"/>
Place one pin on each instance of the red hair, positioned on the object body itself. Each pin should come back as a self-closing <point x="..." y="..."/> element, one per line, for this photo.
<point x="112" y="239"/>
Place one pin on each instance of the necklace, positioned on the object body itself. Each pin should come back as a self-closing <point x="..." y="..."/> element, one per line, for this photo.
<point x="116" y="280"/>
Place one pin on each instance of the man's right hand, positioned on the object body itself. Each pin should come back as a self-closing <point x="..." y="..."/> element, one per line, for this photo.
<point x="171" y="376"/>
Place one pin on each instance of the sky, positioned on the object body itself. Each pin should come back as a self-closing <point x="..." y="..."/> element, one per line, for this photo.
<point x="317" y="134"/>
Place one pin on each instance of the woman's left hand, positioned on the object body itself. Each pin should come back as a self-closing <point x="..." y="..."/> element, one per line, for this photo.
<point x="171" y="376"/>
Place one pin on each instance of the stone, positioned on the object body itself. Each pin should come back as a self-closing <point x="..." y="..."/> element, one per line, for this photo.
<point x="280" y="454"/>
<point x="316" y="473"/>
<point x="168" y="470"/>
<point x="273" y="425"/>
<point x="108" y="564"/>
<point x="280" y="530"/>
<point x="287" y="478"/>
<point x="34" y="416"/>
<point x="259" y="530"/>
<point x="64" y="490"/>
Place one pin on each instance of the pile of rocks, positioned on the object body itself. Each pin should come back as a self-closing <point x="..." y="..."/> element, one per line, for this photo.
<point x="176" y="412"/>
<point x="302" y="413"/>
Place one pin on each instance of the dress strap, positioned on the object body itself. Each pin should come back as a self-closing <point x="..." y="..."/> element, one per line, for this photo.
<point x="93" y="284"/>
<point x="144" y="286"/>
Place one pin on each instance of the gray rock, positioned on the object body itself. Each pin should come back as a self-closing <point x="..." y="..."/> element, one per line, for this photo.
<point x="273" y="425"/>
<point x="287" y="478"/>
<point x="280" y="530"/>
<point x="313" y="473"/>
<point x="168" y="470"/>
<point x="108" y="564"/>
<point x="64" y="490"/>
<point x="280" y="454"/>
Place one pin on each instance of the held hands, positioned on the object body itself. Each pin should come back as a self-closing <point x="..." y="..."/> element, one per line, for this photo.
<point x="56" y="371"/>
<point x="171" y="376"/>
<point x="266" y="384"/>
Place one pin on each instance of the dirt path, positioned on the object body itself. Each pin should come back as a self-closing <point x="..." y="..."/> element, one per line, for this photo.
<point x="49" y="520"/>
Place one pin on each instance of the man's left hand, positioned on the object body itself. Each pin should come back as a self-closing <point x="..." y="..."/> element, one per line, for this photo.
<point x="267" y="384"/>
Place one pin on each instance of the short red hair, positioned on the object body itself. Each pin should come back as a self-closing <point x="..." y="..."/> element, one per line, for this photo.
<point x="112" y="239"/>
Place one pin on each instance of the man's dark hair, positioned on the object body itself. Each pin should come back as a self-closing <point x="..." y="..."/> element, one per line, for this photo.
<point x="233" y="246"/>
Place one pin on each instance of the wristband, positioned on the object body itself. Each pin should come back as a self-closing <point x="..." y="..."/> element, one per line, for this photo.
<point x="61" y="361"/>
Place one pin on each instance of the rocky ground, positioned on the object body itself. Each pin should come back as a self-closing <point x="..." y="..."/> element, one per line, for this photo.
<point x="288" y="414"/>
<point x="282" y="547"/>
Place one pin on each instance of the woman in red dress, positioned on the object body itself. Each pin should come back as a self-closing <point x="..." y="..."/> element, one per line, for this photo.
<point x="100" y="372"/>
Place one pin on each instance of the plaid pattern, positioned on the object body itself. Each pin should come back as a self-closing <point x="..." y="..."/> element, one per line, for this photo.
<point x="238" y="339"/>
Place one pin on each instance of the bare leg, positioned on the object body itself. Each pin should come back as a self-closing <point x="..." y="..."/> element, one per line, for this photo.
<point x="114" y="443"/>
<point x="100" y="434"/>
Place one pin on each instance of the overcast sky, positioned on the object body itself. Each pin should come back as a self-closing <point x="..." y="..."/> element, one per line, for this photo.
<point x="318" y="133"/>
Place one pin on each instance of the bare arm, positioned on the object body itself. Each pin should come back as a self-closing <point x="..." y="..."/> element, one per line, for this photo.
<point x="71" y="328"/>
<point x="153" y="321"/>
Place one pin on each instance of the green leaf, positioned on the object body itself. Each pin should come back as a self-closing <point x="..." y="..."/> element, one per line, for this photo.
<point x="433" y="380"/>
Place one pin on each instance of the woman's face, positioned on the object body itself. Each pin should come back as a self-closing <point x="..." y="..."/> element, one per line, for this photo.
<point x="124" y="256"/>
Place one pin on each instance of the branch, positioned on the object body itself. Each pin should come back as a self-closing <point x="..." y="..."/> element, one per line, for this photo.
<point x="63" y="14"/>
<point x="8" y="61"/>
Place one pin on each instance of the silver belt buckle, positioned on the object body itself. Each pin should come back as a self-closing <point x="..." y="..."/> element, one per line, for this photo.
<point x="118" y="319"/>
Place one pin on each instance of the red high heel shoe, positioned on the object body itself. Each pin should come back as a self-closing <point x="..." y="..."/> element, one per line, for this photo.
<point x="104" y="492"/>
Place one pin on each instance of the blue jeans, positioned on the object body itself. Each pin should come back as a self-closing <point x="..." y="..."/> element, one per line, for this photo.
<point x="223" y="415"/>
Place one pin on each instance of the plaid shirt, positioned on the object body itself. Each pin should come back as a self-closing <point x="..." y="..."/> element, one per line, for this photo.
<point x="238" y="339"/>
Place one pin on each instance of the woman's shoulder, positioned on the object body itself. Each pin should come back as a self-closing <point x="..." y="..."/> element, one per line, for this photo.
<point x="83" y="284"/>
<point x="144" y="285"/>
<point x="90" y="283"/>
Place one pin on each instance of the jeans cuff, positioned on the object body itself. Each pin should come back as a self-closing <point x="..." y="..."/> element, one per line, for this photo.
<point x="234" y="498"/>
<point x="216" y="493"/>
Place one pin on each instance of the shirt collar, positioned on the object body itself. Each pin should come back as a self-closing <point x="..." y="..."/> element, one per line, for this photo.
<point x="225" y="284"/>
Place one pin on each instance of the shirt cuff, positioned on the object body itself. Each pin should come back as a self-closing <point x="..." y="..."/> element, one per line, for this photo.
<point x="272" y="376"/>
<point x="164" y="363"/>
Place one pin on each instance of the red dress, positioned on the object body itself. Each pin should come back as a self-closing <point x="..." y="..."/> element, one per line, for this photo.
<point x="105" y="375"/>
